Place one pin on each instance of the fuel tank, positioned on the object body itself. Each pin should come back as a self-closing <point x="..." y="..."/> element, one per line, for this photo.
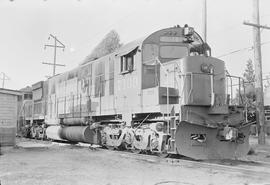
<point x="53" y="132"/>
<point x="80" y="134"/>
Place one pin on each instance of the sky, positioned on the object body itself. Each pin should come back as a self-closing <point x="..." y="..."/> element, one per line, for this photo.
<point x="25" y="26"/>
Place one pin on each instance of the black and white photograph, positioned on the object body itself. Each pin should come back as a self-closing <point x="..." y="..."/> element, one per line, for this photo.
<point x="134" y="92"/>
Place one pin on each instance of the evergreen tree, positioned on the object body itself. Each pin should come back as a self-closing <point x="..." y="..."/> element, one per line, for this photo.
<point x="249" y="74"/>
<point x="109" y="44"/>
<point x="249" y="78"/>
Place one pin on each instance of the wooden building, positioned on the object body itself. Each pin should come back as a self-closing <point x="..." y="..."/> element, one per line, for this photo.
<point x="8" y="116"/>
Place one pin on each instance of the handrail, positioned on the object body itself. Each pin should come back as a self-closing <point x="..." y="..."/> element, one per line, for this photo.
<point x="183" y="86"/>
<point x="241" y="100"/>
<point x="231" y="77"/>
<point x="167" y="75"/>
<point x="191" y="86"/>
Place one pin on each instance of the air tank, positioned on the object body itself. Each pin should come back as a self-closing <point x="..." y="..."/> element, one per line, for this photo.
<point x="77" y="134"/>
<point x="53" y="132"/>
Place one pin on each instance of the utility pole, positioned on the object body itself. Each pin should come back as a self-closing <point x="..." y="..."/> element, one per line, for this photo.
<point x="55" y="46"/>
<point x="4" y="78"/>
<point x="204" y="20"/>
<point x="260" y="119"/>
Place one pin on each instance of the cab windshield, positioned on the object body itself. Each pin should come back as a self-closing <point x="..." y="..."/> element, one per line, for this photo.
<point x="173" y="52"/>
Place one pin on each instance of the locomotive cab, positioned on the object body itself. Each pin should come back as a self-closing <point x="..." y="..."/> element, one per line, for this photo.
<point x="161" y="55"/>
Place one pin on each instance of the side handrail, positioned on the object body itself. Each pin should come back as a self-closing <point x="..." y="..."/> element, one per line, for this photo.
<point x="242" y="100"/>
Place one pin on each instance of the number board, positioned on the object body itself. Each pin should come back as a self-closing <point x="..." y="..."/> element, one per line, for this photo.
<point x="171" y="39"/>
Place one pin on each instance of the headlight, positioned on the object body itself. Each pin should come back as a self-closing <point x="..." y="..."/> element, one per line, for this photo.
<point x="206" y="68"/>
<point x="159" y="127"/>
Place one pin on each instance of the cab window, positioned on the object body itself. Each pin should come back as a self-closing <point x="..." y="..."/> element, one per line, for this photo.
<point x="127" y="63"/>
<point x="173" y="52"/>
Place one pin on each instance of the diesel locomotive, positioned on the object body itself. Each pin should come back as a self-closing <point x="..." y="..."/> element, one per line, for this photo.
<point x="162" y="94"/>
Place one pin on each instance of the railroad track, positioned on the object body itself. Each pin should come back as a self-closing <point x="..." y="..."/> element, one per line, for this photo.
<point x="245" y="166"/>
<point x="260" y="167"/>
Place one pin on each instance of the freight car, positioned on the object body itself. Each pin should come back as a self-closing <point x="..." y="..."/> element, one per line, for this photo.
<point x="162" y="94"/>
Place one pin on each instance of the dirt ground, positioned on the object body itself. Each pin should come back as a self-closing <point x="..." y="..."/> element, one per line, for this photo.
<point x="262" y="152"/>
<point x="46" y="163"/>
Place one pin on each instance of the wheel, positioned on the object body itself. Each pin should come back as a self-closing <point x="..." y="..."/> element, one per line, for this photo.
<point x="33" y="133"/>
<point x="162" y="155"/>
<point x="110" y="147"/>
<point x="136" y="151"/>
<point x="124" y="146"/>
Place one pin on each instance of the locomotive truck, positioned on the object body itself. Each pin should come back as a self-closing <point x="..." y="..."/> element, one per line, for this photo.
<point x="162" y="94"/>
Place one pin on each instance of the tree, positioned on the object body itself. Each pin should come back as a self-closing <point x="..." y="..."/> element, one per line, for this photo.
<point x="248" y="85"/>
<point x="249" y="78"/>
<point x="249" y="74"/>
<point x="109" y="44"/>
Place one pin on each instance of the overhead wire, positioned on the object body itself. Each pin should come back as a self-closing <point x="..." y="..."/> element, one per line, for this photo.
<point x="240" y="50"/>
<point x="251" y="82"/>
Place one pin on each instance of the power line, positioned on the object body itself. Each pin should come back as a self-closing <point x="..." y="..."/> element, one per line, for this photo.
<point x="250" y="82"/>
<point x="240" y="50"/>
<point x="235" y="51"/>
<point x="55" y="46"/>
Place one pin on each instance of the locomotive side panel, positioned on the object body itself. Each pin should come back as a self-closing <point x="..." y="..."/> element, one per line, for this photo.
<point x="64" y="101"/>
<point x="100" y="88"/>
<point x="51" y="117"/>
<point x="85" y="83"/>
<point x="128" y="72"/>
<point x="39" y="96"/>
<point x="102" y="98"/>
